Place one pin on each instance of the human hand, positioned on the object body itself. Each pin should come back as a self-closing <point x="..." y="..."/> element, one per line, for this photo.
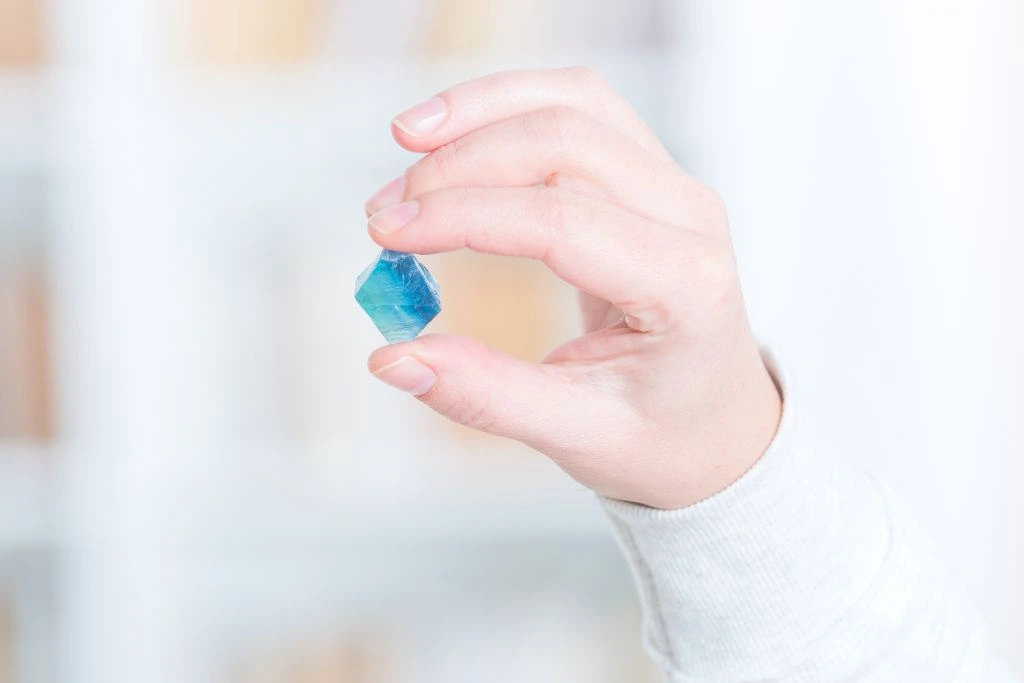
<point x="665" y="400"/>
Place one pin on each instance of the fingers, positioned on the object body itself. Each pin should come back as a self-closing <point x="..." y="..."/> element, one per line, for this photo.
<point x="636" y="264"/>
<point x="484" y="101"/>
<point x="479" y="387"/>
<point x="557" y="145"/>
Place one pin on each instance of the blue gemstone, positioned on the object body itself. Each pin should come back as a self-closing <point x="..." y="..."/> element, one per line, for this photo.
<point x="399" y="294"/>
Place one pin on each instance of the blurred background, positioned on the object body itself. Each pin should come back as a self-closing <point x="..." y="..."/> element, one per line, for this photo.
<point x="200" y="482"/>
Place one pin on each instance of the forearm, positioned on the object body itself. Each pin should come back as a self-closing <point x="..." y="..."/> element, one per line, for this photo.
<point x="805" y="569"/>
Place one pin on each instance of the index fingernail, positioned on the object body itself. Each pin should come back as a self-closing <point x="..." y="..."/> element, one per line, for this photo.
<point x="423" y="119"/>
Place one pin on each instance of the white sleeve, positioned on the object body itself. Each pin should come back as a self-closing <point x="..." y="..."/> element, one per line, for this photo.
<point x="806" y="569"/>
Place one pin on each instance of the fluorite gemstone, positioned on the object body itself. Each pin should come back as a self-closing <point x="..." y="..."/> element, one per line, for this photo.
<point x="399" y="294"/>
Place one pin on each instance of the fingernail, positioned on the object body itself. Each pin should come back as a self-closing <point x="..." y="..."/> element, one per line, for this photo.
<point x="389" y="195"/>
<point x="394" y="218"/>
<point x="409" y="375"/>
<point x="423" y="119"/>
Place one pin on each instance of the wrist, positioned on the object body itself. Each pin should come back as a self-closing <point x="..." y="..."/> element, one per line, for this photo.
<point x="754" y="551"/>
<point x="735" y="438"/>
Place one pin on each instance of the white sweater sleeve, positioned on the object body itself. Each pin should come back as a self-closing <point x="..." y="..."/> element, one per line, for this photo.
<point x="806" y="569"/>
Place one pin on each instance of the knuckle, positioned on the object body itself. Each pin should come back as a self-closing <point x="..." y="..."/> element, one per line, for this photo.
<point x="555" y="127"/>
<point x="557" y="180"/>
<point x="449" y="213"/>
<point x="565" y="124"/>
<point x="713" y="270"/>
<point x="714" y="207"/>
<point x="587" y="78"/>
<point x="709" y="199"/>
<point x="442" y="161"/>
<point x="709" y="208"/>
<point x="698" y="285"/>
<point x="560" y="211"/>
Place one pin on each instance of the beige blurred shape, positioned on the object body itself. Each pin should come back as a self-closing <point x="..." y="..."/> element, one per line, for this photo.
<point x="25" y="405"/>
<point x="256" y="32"/>
<point x="353" y="658"/>
<point x="22" y="41"/>
<point x="514" y="305"/>
<point x="461" y="27"/>
<point x="471" y="27"/>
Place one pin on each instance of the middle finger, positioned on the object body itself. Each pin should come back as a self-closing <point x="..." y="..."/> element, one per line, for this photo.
<point x="558" y="146"/>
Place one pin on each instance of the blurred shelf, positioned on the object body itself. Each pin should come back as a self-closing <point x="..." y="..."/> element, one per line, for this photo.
<point x="279" y="132"/>
<point x="318" y="113"/>
<point x="23" y="115"/>
<point x="25" y="495"/>
<point x="266" y="514"/>
<point x="471" y="521"/>
<point x="274" y="121"/>
<point x="432" y="504"/>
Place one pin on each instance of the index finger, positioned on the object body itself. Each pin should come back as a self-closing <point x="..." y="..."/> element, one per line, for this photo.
<point x="474" y="104"/>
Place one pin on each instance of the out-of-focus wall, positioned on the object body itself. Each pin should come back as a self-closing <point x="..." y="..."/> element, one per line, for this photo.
<point x="872" y="157"/>
<point x="198" y="478"/>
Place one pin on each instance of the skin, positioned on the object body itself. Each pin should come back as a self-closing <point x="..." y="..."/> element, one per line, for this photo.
<point x="665" y="400"/>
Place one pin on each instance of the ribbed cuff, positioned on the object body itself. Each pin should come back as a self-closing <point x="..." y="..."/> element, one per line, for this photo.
<point x="738" y="585"/>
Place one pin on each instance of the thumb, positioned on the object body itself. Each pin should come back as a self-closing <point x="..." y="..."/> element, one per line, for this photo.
<point x="479" y="387"/>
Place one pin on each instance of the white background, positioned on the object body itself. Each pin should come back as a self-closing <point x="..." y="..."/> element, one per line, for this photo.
<point x="228" y="482"/>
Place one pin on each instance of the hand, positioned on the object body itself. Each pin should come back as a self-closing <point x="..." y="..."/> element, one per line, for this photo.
<point x="665" y="400"/>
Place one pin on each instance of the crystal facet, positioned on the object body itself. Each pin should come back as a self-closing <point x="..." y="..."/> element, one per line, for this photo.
<point x="399" y="294"/>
